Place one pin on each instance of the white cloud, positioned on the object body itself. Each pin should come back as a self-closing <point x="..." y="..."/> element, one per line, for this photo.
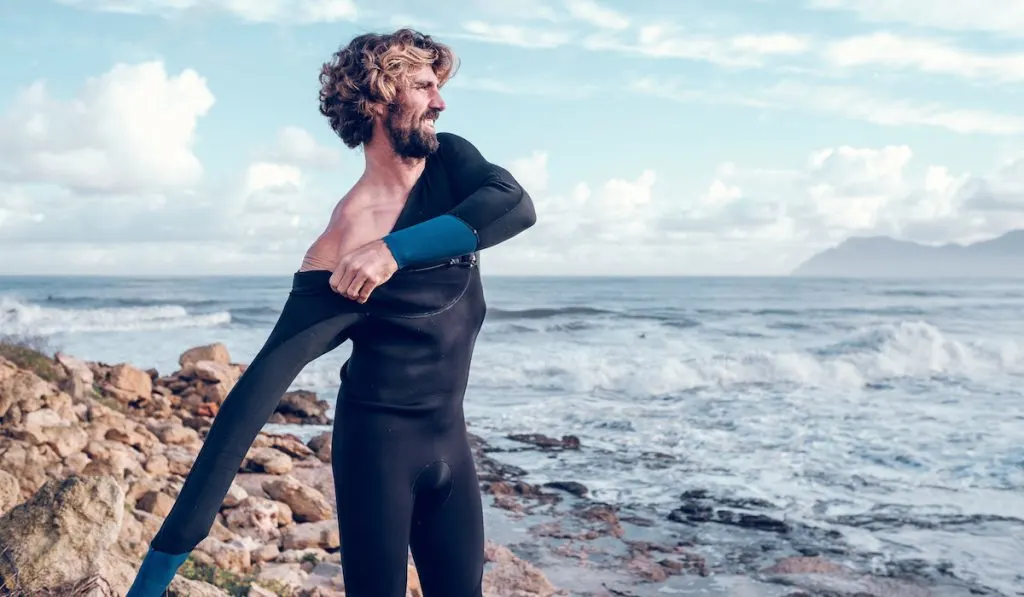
<point x="532" y="171"/>
<point x="513" y="35"/>
<point x="755" y="221"/>
<point x="924" y="55"/>
<point x="848" y="102"/>
<point x="267" y="176"/>
<point x="668" y="41"/>
<point x="260" y="11"/>
<point x="131" y="129"/>
<point x="540" y="87"/>
<point x="297" y="146"/>
<point x="1005" y="17"/>
<point x="597" y="15"/>
<point x="858" y="104"/>
<point x="115" y="166"/>
<point x="845" y="191"/>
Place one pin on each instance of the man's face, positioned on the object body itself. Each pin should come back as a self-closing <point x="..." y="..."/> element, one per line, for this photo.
<point x="410" y="120"/>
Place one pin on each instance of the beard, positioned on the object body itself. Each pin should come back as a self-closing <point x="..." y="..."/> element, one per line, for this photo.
<point x="409" y="139"/>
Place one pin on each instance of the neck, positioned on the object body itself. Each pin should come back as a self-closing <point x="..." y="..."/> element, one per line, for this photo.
<point x="387" y="169"/>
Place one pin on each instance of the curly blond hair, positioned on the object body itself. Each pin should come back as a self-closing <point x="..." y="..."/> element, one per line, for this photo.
<point x="369" y="71"/>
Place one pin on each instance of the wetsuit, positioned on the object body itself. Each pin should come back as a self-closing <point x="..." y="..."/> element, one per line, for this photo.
<point x="403" y="470"/>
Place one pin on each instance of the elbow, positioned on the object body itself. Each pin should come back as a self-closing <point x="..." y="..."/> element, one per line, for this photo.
<point x="527" y="212"/>
<point x="520" y="208"/>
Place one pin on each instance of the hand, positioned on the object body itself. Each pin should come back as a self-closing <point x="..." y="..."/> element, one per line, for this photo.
<point x="364" y="269"/>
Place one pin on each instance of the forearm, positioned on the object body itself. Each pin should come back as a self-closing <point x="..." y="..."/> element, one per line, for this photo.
<point x="492" y="215"/>
<point x="438" y="238"/>
<point x="493" y="208"/>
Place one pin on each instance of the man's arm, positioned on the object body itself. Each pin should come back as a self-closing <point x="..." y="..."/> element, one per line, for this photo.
<point x="495" y="208"/>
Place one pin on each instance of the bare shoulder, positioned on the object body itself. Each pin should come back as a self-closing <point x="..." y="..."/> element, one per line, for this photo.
<point x="348" y="206"/>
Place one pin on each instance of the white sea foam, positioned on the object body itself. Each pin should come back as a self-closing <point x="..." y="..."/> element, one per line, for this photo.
<point x="26" y="318"/>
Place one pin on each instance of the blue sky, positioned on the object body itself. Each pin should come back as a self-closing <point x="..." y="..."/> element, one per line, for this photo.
<point x="735" y="137"/>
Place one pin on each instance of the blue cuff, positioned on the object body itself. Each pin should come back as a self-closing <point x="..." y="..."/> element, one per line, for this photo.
<point x="438" y="238"/>
<point x="156" y="573"/>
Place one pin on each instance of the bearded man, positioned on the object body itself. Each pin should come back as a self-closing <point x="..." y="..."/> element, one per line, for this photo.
<point x="396" y="272"/>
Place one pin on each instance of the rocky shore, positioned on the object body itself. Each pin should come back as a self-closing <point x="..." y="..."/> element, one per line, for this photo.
<point x="92" y="456"/>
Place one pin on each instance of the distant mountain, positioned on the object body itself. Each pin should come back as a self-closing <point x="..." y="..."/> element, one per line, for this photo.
<point x="881" y="256"/>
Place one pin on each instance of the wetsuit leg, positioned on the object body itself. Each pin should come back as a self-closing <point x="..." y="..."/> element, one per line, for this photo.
<point x="447" y="529"/>
<point x="311" y="324"/>
<point x="405" y="476"/>
<point x="374" y="458"/>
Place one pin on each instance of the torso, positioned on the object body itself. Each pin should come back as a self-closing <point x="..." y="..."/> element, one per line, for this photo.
<point x="415" y="345"/>
<point x="362" y="215"/>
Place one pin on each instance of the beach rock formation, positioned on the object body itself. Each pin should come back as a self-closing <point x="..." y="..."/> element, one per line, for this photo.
<point x="93" y="455"/>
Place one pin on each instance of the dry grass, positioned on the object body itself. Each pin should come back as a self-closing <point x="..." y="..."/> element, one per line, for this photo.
<point x="31" y="352"/>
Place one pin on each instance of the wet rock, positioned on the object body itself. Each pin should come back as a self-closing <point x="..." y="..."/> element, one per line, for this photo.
<point x="700" y="507"/>
<point x="576" y="489"/>
<point x="567" y="442"/>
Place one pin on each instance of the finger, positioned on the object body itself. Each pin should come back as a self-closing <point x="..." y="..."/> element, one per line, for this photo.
<point x="352" y="291"/>
<point x="347" y="278"/>
<point x="367" y="288"/>
<point x="335" y="282"/>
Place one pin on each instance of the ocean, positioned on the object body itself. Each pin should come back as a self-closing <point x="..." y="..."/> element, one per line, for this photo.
<point x="889" y="412"/>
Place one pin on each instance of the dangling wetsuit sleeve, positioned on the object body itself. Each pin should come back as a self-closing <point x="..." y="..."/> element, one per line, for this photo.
<point x="313" y="321"/>
<point x="491" y="208"/>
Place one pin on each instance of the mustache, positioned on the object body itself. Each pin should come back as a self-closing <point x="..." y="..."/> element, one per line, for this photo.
<point x="432" y="115"/>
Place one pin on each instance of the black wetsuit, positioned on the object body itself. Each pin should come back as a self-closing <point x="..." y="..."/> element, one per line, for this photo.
<point x="403" y="469"/>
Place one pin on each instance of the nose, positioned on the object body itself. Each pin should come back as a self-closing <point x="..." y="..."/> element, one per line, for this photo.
<point x="437" y="102"/>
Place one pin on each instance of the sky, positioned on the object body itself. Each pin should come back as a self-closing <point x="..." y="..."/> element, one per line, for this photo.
<point x="656" y="137"/>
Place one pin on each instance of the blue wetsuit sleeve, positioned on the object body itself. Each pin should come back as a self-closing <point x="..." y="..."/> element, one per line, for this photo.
<point x="493" y="208"/>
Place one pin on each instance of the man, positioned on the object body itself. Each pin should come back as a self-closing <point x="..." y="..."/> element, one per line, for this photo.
<point x="396" y="272"/>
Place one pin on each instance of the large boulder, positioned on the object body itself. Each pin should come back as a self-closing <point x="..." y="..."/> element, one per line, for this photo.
<point x="63" y="537"/>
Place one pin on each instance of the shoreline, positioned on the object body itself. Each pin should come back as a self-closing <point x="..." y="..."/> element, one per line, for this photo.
<point x="709" y="545"/>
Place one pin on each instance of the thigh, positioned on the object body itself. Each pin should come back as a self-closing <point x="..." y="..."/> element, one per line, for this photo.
<point x="448" y="537"/>
<point x="374" y="513"/>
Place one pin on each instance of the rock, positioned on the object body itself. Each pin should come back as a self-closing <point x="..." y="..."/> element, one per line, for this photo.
<point x="183" y="587"/>
<point x="20" y="391"/>
<point x="131" y="381"/>
<point x="266" y="460"/>
<point x="302" y="407"/>
<point x="100" y="475"/>
<point x="173" y="433"/>
<point x="577" y="489"/>
<point x="156" y="503"/>
<point x="511" y="576"/>
<point x="76" y="368"/>
<point x="568" y="442"/>
<point x="235" y="495"/>
<point x="63" y="534"/>
<point x="806" y="565"/>
<point x="304" y="535"/>
<point x="285" y="443"/>
<point x="321" y="445"/>
<point x="10" y="491"/>
<point x="255" y="517"/>
<point x="231" y="555"/>
<point x="289" y="574"/>
<point x="216" y="352"/>
<point x="306" y="503"/>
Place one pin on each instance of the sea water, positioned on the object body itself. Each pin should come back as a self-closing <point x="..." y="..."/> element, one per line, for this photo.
<point x="890" y="411"/>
